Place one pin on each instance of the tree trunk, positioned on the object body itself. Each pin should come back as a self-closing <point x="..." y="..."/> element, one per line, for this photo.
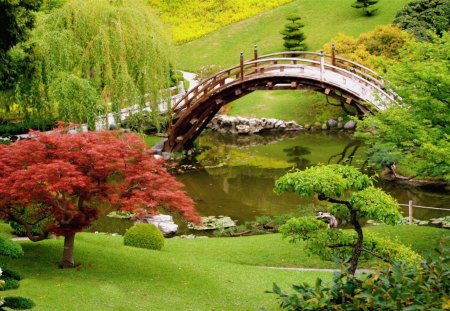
<point x="358" y="245"/>
<point x="67" y="259"/>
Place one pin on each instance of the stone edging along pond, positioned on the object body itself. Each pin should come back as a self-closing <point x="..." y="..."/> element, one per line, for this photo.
<point x="240" y="125"/>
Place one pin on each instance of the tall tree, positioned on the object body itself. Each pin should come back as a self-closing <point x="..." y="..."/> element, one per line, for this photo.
<point x="351" y="197"/>
<point x="16" y="20"/>
<point x="293" y="35"/>
<point x="366" y="6"/>
<point x="66" y="179"/>
<point x="89" y="53"/>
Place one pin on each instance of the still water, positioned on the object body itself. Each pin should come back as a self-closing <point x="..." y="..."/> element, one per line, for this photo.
<point x="234" y="175"/>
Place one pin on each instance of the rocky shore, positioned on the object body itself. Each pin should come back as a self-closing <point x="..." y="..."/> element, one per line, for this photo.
<point x="246" y="126"/>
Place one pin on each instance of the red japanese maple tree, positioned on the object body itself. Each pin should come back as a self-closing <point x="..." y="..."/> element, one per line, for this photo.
<point x="66" y="179"/>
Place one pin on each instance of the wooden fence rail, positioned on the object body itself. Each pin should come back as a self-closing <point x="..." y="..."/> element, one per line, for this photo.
<point x="410" y="206"/>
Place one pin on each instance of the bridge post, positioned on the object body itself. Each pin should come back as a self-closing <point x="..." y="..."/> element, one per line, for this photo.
<point x="333" y="54"/>
<point x="242" y="65"/>
<point x="322" y="65"/>
<point x="255" y="52"/>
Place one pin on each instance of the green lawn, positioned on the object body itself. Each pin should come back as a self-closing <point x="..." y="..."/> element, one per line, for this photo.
<point x="300" y="106"/>
<point x="199" y="274"/>
<point x="323" y="20"/>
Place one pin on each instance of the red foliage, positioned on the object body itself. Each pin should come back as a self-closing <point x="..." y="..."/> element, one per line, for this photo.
<point x="72" y="176"/>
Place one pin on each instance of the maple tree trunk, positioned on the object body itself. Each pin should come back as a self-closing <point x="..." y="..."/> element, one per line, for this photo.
<point x="67" y="259"/>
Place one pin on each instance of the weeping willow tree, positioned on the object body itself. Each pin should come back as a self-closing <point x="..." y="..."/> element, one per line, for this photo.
<point x="88" y="53"/>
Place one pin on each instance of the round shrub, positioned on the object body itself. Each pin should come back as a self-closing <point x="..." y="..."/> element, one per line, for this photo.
<point x="17" y="303"/>
<point x="144" y="236"/>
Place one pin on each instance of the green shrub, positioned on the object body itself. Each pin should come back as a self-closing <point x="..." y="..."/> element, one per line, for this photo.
<point x="399" y="286"/>
<point x="6" y="272"/>
<point x="10" y="249"/>
<point x="9" y="283"/>
<point x="144" y="236"/>
<point x="17" y="303"/>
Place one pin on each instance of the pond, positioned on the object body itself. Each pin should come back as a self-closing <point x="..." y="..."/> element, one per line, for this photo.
<point x="234" y="175"/>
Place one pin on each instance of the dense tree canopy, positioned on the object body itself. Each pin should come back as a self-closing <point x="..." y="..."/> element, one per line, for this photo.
<point x="16" y="20"/>
<point x="352" y="197"/>
<point x="88" y="53"/>
<point x="416" y="135"/>
<point x="423" y="18"/>
<point x="372" y="49"/>
<point x="65" y="179"/>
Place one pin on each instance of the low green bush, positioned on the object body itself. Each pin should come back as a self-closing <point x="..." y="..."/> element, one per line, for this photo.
<point x="10" y="249"/>
<point x="9" y="283"/>
<point x="10" y="273"/>
<point x="397" y="286"/>
<point x="17" y="303"/>
<point x="144" y="236"/>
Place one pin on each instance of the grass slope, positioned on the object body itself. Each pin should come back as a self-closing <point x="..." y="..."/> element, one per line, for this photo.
<point x="199" y="274"/>
<point x="323" y="20"/>
<point x="191" y="19"/>
<point x="301" y="106"/>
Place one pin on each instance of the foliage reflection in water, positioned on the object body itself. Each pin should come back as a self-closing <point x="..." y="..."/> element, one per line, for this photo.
<point x="235" y="175"/>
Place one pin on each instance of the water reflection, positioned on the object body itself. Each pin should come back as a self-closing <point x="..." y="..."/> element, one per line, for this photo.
<point x="296" y="156"/>
<point x="237" y="173"/>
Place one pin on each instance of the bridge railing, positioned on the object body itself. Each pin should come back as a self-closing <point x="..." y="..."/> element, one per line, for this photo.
<point x="337" y="61"/>
<point x="341" y="65"/>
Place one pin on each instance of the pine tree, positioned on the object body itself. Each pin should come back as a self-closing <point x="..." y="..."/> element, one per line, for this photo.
<point x="293" y="35"/>
<point x="366" y="5"/>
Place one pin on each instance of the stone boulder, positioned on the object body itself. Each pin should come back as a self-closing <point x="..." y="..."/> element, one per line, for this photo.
<point x="350" y="125"/>
<point x="332" y="123"/>
<point x="162" y="222"/>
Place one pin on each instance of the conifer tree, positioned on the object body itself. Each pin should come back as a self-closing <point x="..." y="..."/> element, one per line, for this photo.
<point x="293" y="35"/>
<point x="366" y="5"/>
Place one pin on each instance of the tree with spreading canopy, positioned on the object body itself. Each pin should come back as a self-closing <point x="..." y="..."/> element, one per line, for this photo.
<point x="64" y="180"/>
<point x="90" y="53"/>
<point x="293" y="35"/>
<point x="352" y="198"/>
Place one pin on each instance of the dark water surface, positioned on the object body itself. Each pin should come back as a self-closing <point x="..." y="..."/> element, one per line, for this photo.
<point x="238" y="173"/>
<point x="235" y="175"/>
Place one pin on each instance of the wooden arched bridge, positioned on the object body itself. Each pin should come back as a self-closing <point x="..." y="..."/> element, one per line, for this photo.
<point x="336" y="77"/>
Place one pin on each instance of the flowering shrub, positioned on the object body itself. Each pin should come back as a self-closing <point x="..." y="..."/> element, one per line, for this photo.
<point x="191" y="19"/>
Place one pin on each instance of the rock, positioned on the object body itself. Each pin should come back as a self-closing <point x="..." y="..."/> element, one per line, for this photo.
<point x="278" y="124"/>
<point x="162" y="222"/>
<point x="324" y="126"/>
<point x="350" y="125"/>
<point x="317" y="125"/>
<point x="307" y="126"/>
<point x="340" y="119"/>
<point x="242" y="129"/>
<point x="213" y="222"/>
<point x="293" y="126"/>
<point x="340" y="125"/>
<point x="332" y="123"/>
